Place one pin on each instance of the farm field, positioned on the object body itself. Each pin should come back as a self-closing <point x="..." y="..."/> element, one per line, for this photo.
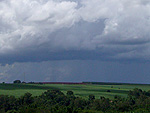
<point x="79" y="90"/>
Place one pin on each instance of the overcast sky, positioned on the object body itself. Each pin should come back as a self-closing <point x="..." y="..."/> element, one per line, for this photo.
<point x="75" y="40"/>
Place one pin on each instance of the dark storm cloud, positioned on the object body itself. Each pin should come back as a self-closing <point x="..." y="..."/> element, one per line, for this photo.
<point x="41" y="30"/>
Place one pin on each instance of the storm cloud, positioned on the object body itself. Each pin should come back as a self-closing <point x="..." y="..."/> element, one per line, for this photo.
<point x="42" y="30"/>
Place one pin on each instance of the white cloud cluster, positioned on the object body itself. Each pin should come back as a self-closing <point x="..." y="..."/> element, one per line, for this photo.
<point x="114" y="28"/>
<point x="28" y="23"/>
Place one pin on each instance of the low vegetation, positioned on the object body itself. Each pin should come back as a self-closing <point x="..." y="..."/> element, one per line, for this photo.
<point x="55" y="101"/>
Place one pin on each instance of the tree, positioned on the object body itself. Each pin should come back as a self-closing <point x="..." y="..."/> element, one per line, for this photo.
<point x="69" y="92"/>
<point x="79" y="103"/>
<point x="26" y="99"/>
<point x="91" y="97"/>
<point x="17" y="81"/>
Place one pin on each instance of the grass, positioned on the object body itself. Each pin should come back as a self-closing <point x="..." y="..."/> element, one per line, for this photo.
<point x="79" y="90"/>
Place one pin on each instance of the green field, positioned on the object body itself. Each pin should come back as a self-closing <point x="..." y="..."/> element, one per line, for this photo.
<point x="79" y="90"/>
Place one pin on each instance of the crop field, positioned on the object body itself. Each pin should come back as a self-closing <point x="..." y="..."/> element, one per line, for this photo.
<point x="109" y="91"/>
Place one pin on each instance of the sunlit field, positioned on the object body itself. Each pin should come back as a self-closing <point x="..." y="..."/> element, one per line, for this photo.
<point x="108" y="91"/>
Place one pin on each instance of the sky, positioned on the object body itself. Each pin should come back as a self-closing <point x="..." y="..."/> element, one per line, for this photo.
<point x="75" y="40"/>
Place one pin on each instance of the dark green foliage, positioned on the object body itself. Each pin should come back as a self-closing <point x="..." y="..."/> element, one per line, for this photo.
<point x="55" y="101"/>
<point x="7" y="102"/>
<point x="69" y="93"/>
<point x="26" y="99"/>
<point x="80" y="103"/>
<point x="91" y="97"/>
<point x="17" y="81"/>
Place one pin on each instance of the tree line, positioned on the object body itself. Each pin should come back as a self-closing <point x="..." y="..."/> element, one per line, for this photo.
<point x="55" y="101"/>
